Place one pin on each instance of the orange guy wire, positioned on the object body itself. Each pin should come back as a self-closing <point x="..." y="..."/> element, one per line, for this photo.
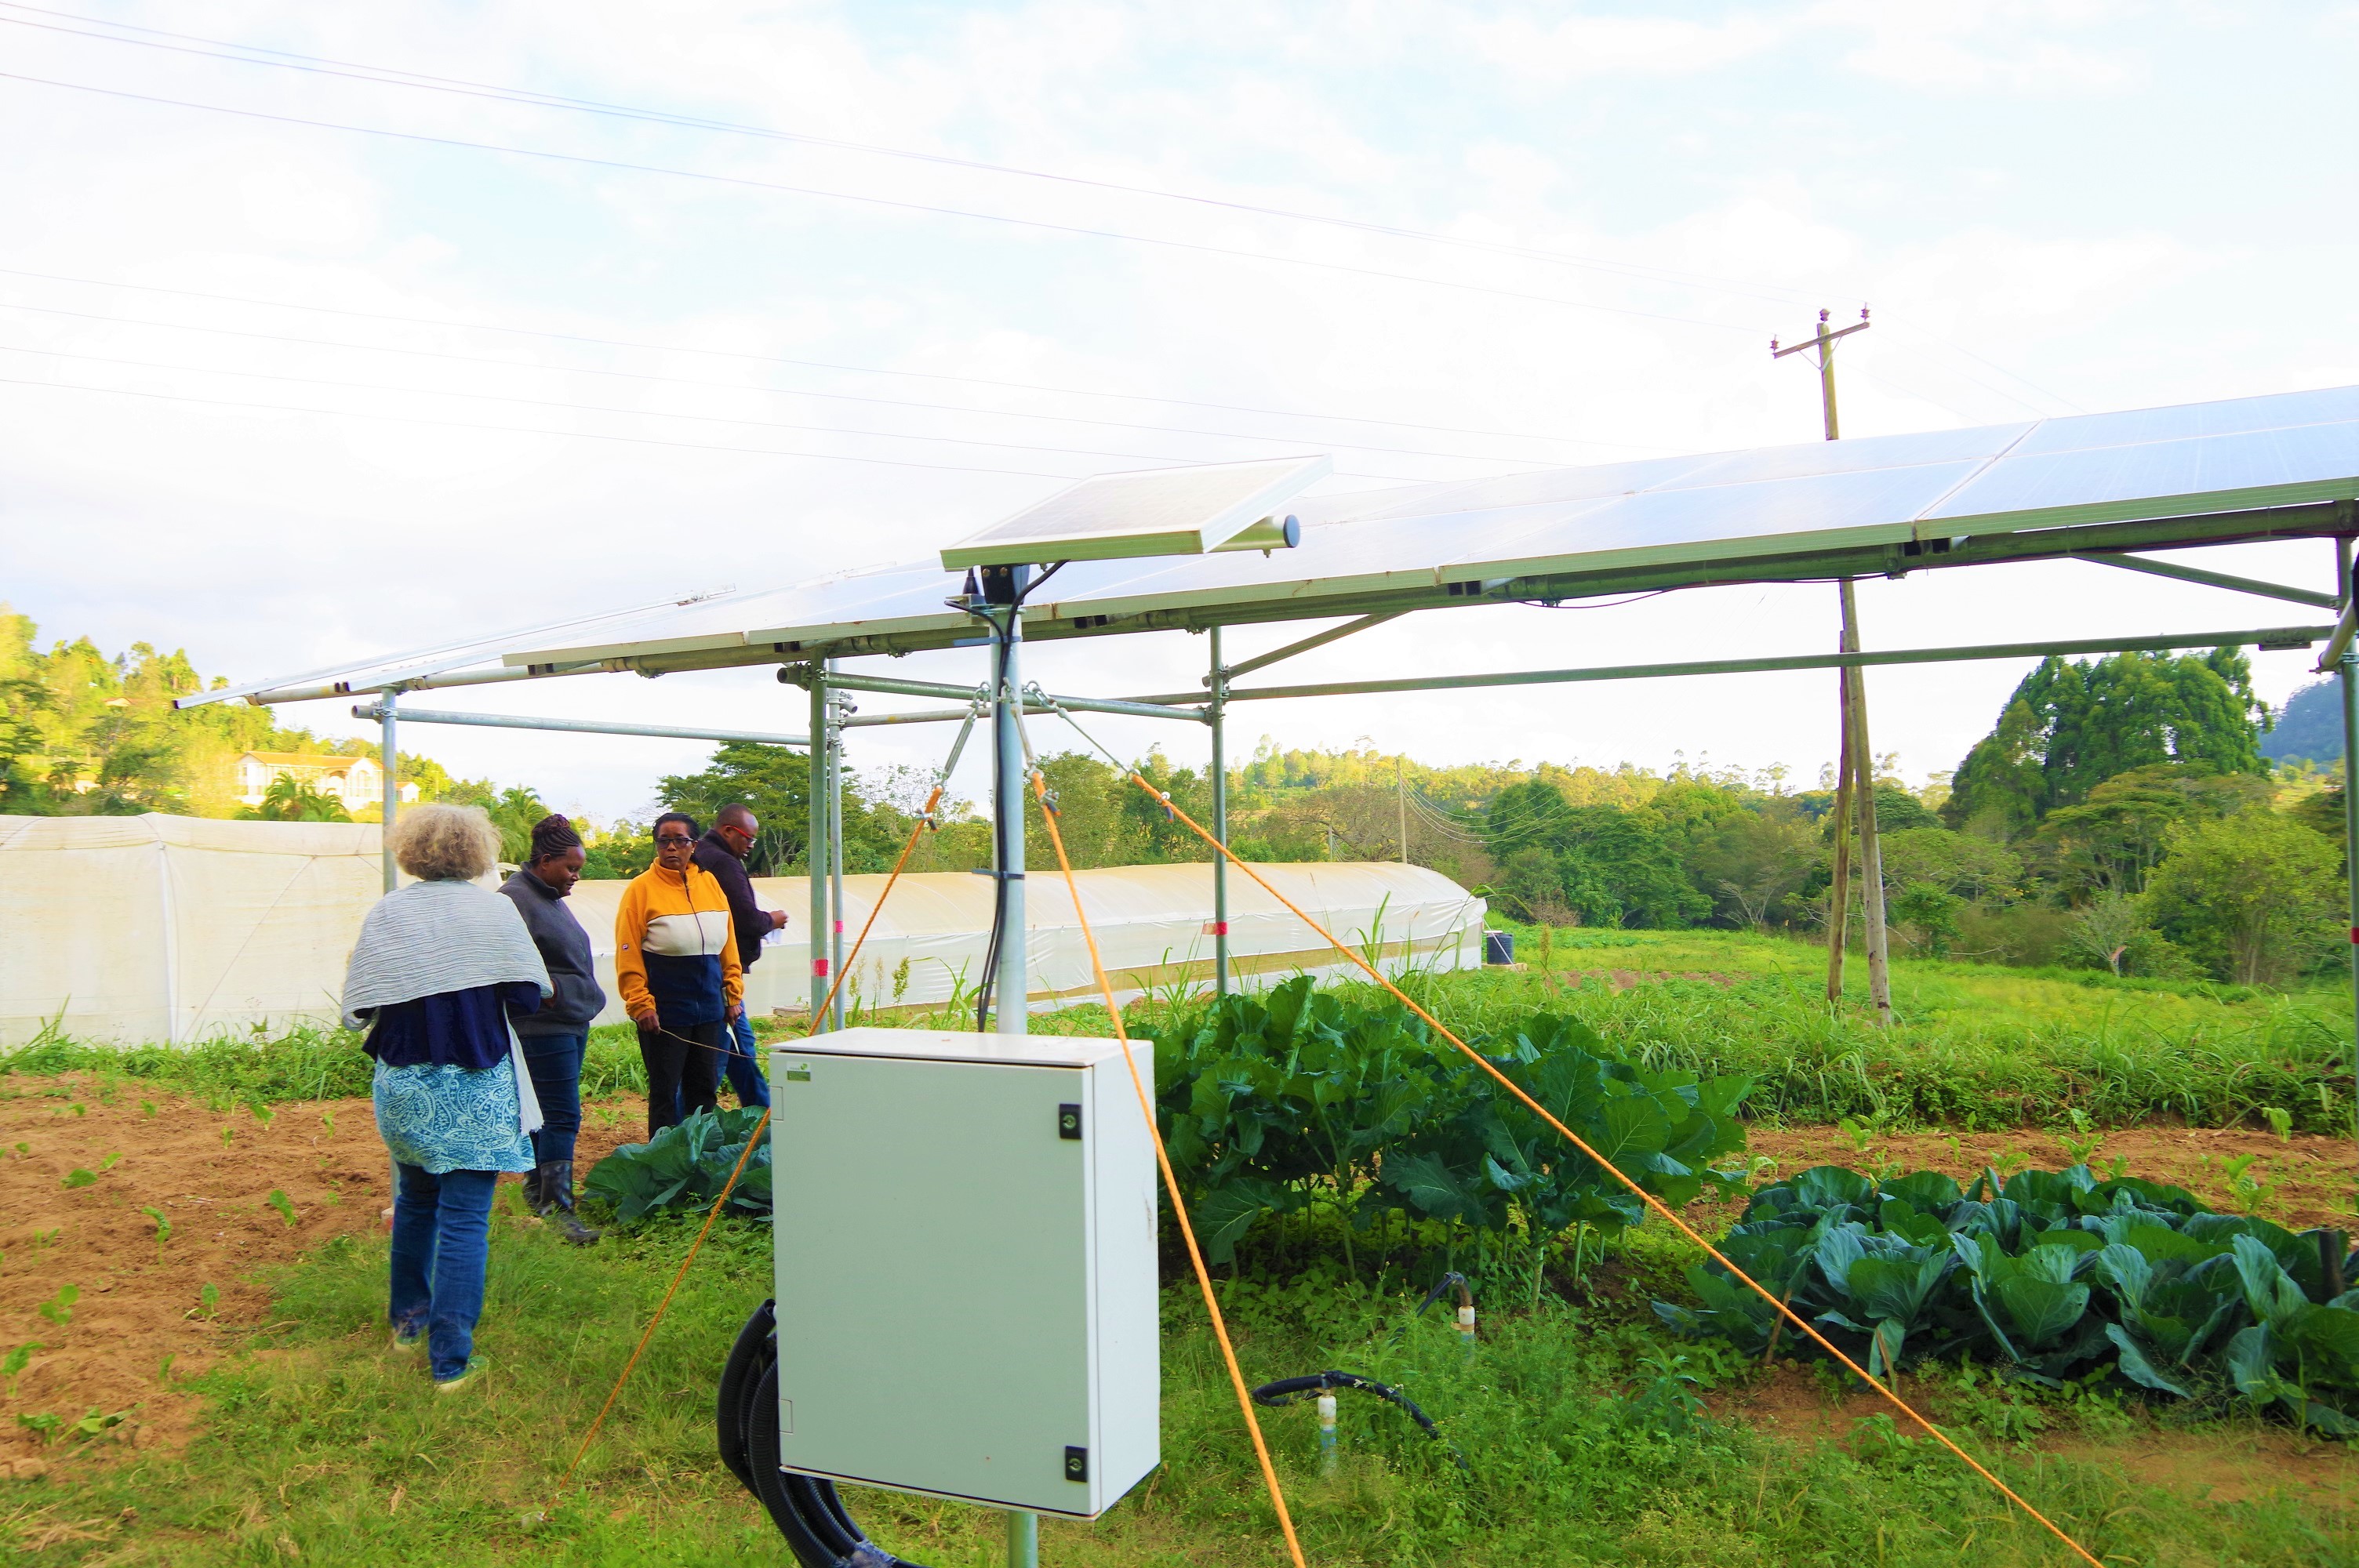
<point x="1652" y="1202"/>
<point x="1171" y="1182"/>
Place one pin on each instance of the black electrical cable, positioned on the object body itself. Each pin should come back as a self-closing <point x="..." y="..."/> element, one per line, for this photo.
<point x="1292" y="1390"/>
<point x="1004" y="713"/>
<point x="807" y="1511"/>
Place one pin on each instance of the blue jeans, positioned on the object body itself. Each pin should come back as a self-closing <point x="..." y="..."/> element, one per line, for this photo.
<point x="555" y="1064"/>
<point x="442" y="1244"/>
<point x="743" y="1066"/>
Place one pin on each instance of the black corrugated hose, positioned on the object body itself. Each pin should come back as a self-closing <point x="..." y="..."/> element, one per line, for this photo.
<point x="807" y="1511"/>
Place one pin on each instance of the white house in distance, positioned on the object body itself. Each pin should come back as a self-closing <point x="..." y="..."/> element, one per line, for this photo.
<point x="358" y="782"/>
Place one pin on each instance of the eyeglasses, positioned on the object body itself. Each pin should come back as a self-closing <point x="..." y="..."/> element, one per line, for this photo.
<point x="734" y="831"/>
<point x="674" y="839"/>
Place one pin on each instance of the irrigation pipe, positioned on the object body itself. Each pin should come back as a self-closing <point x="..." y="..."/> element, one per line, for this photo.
<point x="1170" y="1181"/>
<point x="1786" y="1311"/>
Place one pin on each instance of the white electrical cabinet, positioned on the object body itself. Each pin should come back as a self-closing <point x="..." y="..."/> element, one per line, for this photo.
<point x="965" y="1231"/>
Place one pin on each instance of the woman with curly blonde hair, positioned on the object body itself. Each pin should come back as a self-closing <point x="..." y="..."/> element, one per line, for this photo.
<point x="439" y="966"/>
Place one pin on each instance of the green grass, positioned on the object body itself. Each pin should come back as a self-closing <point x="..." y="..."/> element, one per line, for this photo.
<point x="1976" y="1046"/>
<point x="318" y="1443"/>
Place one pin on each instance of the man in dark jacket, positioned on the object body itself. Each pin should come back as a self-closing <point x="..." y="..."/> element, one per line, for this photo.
<point x="721" y="851"/>
<point x="556" y="1035"/>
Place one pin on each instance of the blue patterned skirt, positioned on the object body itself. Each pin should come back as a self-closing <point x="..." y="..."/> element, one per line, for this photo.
<point x="452" y="1118"/>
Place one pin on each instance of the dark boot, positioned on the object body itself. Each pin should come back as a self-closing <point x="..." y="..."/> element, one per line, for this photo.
<point x="556" y="1192"/>
<point x="532" y="1199"/>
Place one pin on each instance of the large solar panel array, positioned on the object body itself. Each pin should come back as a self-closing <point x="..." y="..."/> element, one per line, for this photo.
<point x="1704" y="511"/>
<point x="1682" y="519"/>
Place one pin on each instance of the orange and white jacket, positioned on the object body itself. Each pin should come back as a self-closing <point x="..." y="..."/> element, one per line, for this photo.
<point x="673" y="950"/>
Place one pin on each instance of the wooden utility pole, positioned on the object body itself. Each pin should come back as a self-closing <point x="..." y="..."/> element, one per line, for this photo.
<point x="1839" y="890"/>
<point x="1871" y="853"/>
<point x="1855" y="774"/>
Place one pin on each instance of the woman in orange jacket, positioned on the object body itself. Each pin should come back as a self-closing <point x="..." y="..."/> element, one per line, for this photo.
<point x="677" y="964"/>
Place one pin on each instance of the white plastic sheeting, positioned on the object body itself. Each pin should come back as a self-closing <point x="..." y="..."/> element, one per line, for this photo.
<point x="168" y="928"/>
<point x="130" y="929"/>
<point x="1153" y="925"/>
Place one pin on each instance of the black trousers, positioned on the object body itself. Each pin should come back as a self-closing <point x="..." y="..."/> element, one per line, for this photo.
<point x="683" y="1069"/>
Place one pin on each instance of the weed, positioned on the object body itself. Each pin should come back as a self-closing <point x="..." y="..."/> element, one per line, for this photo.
<point x="147" y="1108"/>
<point x="2280" y="1120"/>
<point x="108" y="1164"/>
<point x="43" y="1426"/>
<point x="12" y="1365"/>
<point x="77" y="1177"/>
<point x="229" y="1135"/>
<point x="58" y="1308"/>
<point x="286" y="1207"/>
<point x="208" y="1299"/>
<point x="92" y="1424"/>
<point x="163" y="1226"/>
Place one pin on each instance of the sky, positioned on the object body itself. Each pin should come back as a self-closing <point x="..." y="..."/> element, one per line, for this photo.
<point x="327" y="331"/>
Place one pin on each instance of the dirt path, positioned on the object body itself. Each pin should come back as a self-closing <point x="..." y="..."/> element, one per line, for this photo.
<point x="80" y="1174"/>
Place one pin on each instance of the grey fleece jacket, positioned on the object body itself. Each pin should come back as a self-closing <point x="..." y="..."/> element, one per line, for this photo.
<point x="565" y="949"/>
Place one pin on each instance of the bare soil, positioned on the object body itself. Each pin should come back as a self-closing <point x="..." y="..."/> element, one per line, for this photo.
<point x="2305" y="1180"/>
<point x="141" y="1323"/>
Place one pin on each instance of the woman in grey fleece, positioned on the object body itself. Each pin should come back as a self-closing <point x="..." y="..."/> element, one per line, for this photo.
<point x="555" y="1037"/>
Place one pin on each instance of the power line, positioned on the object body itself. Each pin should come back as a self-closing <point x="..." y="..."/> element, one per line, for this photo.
<point x="808" y="364"/>
<point x="525" y="429"/>
<point x="1158" y="458"/>
<point x="739" y="386"/>
<point x="587" y="407"/>
<point x="748" y="183"/>
<point x="389" y="76"/>
<point x="392" y="77"/>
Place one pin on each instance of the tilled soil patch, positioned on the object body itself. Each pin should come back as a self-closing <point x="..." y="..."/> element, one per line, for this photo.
<point x="2302" y="1181"/>
<point x="128" y="1314"/>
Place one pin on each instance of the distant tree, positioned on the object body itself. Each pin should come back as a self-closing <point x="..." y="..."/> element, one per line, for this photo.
<point x="290" y="799"/>
<point x="2112" y="840"/>
<point x="1756" y="859"/>
<point x="2254" y="896"/>
<point x="2070" y="726"/>
<point x="1927" y="916"/>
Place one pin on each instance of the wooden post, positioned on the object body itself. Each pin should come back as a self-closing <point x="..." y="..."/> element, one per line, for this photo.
<point x="1839" y="892"/>
<point x="1871" y="856"/>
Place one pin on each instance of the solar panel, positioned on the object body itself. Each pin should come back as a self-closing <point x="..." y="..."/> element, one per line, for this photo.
<point x="1678" y="519"/>
<point x="1154" y="511"/>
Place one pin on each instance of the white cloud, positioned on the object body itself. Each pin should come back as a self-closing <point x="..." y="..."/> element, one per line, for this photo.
<point x="1589" y="46"/>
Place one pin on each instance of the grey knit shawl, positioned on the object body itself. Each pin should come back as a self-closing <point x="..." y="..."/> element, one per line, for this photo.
<point x="431" y="937"/>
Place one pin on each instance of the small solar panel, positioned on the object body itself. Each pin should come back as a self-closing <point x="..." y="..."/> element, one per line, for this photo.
<point x="1157" y="512"/>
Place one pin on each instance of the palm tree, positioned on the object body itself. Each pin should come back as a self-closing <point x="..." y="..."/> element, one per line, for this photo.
<point x="290" y="799"/>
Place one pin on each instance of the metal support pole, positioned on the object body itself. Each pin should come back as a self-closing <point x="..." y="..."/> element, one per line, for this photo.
<point x="815" y="846"/>
<point x="2344" y="674"/>
<point x="1871" y="854"/>
<point x="835" y="858"/>
<point x="1010" y="999"/>
<point x="388" y="747"/>
<point x="1023" y="1539"/>
<point x="1219" y="690"/>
